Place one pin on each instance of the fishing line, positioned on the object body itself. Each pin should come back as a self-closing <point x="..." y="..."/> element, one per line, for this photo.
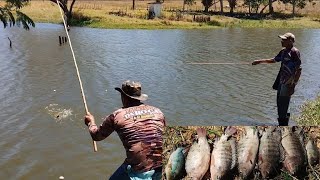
<point x="77" y="69"/>
<point x="206" y="63"/>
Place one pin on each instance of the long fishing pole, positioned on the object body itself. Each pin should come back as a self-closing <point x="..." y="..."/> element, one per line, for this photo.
<point x="212" y="63"/>
<point x="77" y="69"/>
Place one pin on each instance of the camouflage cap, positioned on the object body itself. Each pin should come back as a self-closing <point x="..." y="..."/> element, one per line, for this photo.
<point x="289" y="36"/>
<point x="133" y="90"/>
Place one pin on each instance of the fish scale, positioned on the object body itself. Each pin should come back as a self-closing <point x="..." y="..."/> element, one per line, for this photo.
<point x="294" y="151"/>
<point x="222" y="158"/>
<point x="269" y="152"/>
<point x="198" y="158"/>
<point x="175" y="164"/>
<point x="247" y="152"/>
<point x="312" y="152"/>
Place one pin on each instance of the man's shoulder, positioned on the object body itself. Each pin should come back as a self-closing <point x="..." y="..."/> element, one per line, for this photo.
<point x="295" y="53"/>
<point x="133" y="108"/>
<point x="294" y="49"/>
<point x="118" y="111"/>
<point x="152" y="107"/>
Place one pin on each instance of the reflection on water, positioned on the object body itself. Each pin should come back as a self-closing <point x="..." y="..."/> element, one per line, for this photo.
<point x="38" y="72"/>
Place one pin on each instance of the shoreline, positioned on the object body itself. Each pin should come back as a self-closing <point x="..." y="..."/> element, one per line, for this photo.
<point x="159" y="24"/>
<point x="112" y="15"/>
<point x="310" y="113"/>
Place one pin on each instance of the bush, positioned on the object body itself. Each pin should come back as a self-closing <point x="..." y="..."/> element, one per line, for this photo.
<point x="214" y="23"/>
<point x="79" y="19"/>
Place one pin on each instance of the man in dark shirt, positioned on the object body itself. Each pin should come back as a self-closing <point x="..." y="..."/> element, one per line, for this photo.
<point x="288" y="75"/>
<point x="140" y="129"/>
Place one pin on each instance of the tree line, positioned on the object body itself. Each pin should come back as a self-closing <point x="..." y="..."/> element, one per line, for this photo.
<point x="10" y="13"/>
<point x="253" y="5"/>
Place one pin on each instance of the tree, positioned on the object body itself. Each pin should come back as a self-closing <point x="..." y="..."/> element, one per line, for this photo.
<point x="11" y="8"/>
<point x="207" y="4"/>
<point x="188" y="2"/>
<point x="296" y="3"/>
<point x="271" y="7"/>
<point x="232" y="4"/>
<point x="221" y="6"/>
<point x="64" y="6"/>
<point x="254" y="4"/>
<point x="271" y="11"/>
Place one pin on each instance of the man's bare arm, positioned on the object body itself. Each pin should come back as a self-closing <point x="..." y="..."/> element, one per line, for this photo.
<point x="267" y="61"/>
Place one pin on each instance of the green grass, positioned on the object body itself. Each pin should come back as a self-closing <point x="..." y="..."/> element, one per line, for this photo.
<point x="134" y="23"/>
<point x="310" y="115"/>
<point x="103" y="16"/>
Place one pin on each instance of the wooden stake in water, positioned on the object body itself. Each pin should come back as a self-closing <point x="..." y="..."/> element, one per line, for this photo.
<point x="78" y="74"/>
<point x="60" y="41"/>
<point x="10" y="43"/>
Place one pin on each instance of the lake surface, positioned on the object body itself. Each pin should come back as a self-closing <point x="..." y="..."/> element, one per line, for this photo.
<point x="38" y="80"/>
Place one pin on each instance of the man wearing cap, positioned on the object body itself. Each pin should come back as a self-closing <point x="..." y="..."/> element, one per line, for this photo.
<point x="140" y="128"/>
<point x="288" y="75"/>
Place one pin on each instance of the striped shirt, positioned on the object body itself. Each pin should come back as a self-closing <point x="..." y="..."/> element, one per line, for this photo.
<point x="140" y="129"/>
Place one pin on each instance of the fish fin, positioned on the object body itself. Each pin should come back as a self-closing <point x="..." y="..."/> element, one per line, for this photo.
<point x="272" y="128"/>
<point x="233" y="144"/>
<point x="291" y="129"/>
<point x="260" y="132"/>
<point x="201" y="132"/>
<point x="277" y="135"/>
<point x="282" y="153"/>
<point x="299" y="132"/>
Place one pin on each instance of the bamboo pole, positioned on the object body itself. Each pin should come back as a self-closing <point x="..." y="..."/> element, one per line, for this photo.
<point x="78" y="74"/>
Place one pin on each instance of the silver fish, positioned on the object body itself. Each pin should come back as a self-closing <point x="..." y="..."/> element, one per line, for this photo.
<point x="223" y="156"/>
<point x="269" y="151"/>
<point x="312" y="152"/>
<point x="198" y="158"/>
<point x="294" y="153"/>
<point x="247" y="152"/>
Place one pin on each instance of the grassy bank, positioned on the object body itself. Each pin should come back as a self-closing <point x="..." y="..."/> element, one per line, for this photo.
<point x="310" y="115"/>
<point x="118" y="14"/>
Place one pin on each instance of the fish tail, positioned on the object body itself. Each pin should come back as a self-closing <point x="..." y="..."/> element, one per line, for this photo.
<point x="230" y="130"/>
<point x="271" y="128"/>
<point x="201" y="132"/>
<point x="250" y="129"/>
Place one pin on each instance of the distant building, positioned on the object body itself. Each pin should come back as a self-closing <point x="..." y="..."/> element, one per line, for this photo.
<point x="154" y="9"/>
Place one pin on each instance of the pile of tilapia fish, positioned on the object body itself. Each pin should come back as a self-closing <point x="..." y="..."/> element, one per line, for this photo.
<point x="263" y="152"/>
